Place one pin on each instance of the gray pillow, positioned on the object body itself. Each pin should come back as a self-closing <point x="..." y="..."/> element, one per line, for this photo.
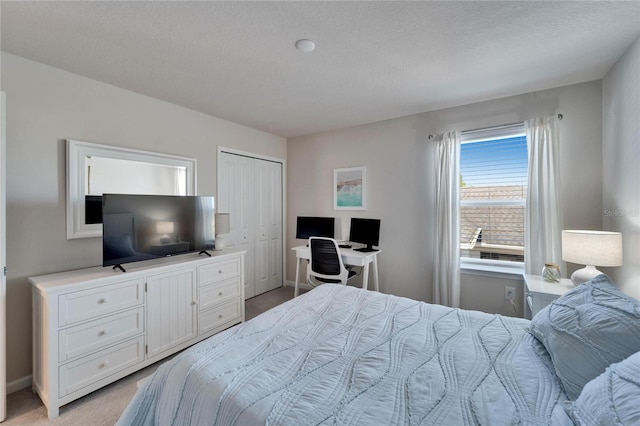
<point x="586" y="330"/>
<point x="612" y="398"/>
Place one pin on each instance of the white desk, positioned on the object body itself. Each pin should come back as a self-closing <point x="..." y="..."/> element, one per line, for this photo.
<point x="349" y="257"/>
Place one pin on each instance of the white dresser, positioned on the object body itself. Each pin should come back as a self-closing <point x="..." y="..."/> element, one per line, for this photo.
<point x="94" y="326"/>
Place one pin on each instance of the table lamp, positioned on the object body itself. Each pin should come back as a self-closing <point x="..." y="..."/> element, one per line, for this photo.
<point x="591" y="248"/>
<point x="164" y="228"/>
<point x="223" y="226"/>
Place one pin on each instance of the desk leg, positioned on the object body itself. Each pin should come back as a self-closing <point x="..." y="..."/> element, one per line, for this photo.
<point x="295" y="291"/>
<point x="365" y="276"/>
<point x="376" y="287"/>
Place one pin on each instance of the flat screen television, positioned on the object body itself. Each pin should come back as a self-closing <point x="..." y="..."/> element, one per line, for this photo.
<point x="307" y="226"/>
<point x="365" y="231"/>
<point x="143" y="227"/>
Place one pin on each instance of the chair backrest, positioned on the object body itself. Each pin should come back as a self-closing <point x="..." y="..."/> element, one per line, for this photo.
<point x="325" y="261"/>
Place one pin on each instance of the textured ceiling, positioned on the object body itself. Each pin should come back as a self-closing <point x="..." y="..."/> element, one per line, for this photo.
<point x="373" y="60"/>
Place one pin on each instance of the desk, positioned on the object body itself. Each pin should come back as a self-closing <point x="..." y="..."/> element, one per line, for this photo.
<point x="349" y="257"/>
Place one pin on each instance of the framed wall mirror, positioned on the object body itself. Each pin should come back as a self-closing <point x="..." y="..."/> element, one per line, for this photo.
<point x="94" y="169"/>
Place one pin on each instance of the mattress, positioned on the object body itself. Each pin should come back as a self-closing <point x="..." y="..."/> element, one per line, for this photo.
<point x="342" y="355"/>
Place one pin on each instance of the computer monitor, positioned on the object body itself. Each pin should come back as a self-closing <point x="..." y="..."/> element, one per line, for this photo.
<point x="365" y="231"/>
<point x="314" y="227"/>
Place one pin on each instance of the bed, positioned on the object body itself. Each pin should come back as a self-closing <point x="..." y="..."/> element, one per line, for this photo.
<point x="342" y="355"/>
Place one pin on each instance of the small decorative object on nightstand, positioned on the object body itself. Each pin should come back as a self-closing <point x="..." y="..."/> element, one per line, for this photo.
<point x="551" y="273"/>
<point x="538" y="293"/>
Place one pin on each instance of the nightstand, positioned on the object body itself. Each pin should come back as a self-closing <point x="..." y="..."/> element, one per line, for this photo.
<point x="539" y="293"/>
<point x="168" y="249"/>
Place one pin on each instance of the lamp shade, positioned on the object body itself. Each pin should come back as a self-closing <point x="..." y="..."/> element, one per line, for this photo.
<point x="596" y="248"/>
<point x="223" y="223"/>
<point x="163" y="227"/>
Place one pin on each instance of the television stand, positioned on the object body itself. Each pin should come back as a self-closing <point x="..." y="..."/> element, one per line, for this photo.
<point x="119" y="266"/>
<point x="132" y="311"/>
<point x="204" y="252"/>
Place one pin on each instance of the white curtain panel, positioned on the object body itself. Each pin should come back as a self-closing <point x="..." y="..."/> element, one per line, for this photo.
<point x="543" y="220"/>
<point x="446" y="287"/>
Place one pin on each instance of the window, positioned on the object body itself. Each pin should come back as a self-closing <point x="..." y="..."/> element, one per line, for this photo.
<point x="493" y="193"/>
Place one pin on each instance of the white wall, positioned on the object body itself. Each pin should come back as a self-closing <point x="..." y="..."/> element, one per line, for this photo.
<point x="621" y="164"/>
<point x="46" y="105"/>
<point x="400" y="162"/>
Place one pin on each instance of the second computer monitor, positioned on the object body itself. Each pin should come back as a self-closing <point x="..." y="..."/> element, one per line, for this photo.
<point x="365" y="231"/>
<point x="314" y="227"/>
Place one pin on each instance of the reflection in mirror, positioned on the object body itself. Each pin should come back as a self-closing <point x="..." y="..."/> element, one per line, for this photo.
<point x="119" y="176"/>
<point x="94" y="169"/>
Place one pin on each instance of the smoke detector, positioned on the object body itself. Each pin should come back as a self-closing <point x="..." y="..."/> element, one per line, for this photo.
<point x="305" y="45"/>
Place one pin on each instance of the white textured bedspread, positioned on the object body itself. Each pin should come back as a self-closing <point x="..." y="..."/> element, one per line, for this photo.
<point x="342" y="355"/>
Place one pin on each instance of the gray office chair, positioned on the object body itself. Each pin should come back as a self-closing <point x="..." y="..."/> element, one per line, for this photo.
<point x="325" y="263"/>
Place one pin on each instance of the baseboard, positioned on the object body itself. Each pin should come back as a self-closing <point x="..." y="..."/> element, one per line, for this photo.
<point x="19" y="384"/>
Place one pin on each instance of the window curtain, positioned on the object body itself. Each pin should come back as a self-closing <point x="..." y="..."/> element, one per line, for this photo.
<point x="446" y="287"/>
<point x="543" y="219"/>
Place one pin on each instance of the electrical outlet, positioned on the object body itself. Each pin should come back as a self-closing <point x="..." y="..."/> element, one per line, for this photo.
<point x="509" y="293"/>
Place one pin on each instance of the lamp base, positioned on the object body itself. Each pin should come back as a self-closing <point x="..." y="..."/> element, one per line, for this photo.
<point x="220" y="244"/>
<point x="585" y="274"/>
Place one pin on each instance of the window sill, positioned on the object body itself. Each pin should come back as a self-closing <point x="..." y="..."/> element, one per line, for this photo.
<point x="498" y="269"/>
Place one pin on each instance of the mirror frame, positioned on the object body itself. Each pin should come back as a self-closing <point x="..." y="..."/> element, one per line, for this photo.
<point x="77" y="151"/>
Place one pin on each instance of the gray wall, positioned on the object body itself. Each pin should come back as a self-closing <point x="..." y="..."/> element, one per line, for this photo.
<point x="621" y="163"/>
<point x="399" y="161"/>
<point x="46" y="105"/>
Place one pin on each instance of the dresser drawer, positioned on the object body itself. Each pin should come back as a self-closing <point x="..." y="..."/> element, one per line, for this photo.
<point x="219" y="271"/>
<point x="92" y="368"/>
<point x="94" y="335"/>
<point x="228" y="313"/>
<point x="92" y="303"/>
<point x="215" y="294"/>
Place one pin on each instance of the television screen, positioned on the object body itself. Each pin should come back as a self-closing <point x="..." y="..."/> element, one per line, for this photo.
<point x="143" y="227"/>
<point x="365" y="231"/>
<point x="314" y="227"/>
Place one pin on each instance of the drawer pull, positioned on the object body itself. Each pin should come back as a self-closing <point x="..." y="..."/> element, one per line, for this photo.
<point x="194" y="303"/>
<point x="219" y="271"/>
<point x="103" y="332"/>
<point x="220" y="294"/>
<point x="104" y="364"/>
<point x="103" y="300"/>
<point x="219" y="316"/>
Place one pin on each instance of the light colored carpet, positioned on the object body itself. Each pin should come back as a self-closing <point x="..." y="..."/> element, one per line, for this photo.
<point x="104" y="406"/>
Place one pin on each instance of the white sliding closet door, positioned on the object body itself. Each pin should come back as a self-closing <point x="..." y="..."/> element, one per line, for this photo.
<point x="3" y="257"/>
<point x="250" y="190"/>
<point x="235" y="186"/>
<point x="268" y="223"/>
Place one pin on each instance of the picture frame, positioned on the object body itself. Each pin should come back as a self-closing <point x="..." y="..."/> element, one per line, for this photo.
<point x="350" y="188"/>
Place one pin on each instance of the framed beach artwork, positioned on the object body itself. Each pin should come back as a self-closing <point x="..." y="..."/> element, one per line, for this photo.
<point x="350" y="188"/>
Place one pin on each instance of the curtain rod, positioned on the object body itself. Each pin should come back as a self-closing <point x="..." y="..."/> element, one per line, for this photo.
<point x="560" y="117"/>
